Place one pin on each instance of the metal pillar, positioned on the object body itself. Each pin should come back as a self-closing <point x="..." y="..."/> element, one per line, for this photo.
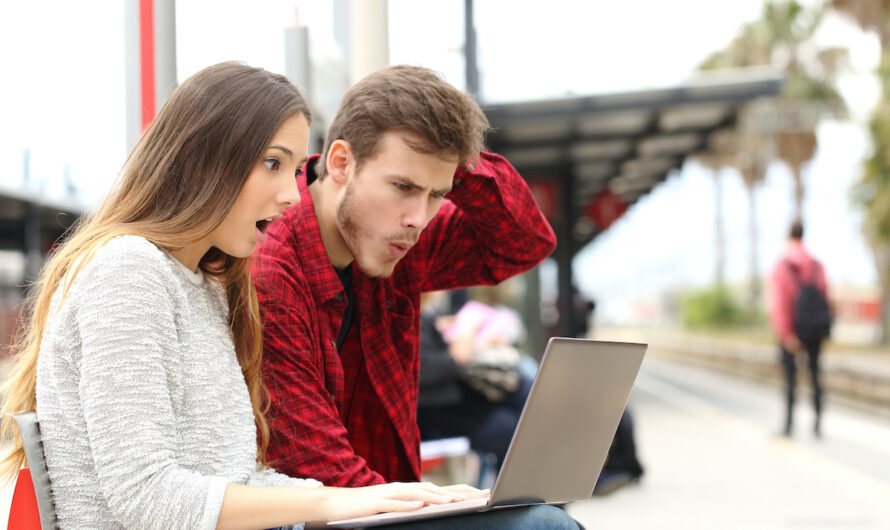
<point x="534" y="328"/>
<point x="471" y="61"/>
<point x="33" y="245"/>
<point x="133" y="110"/>
<point x="165" y="50"/>
<point x="341" y="17"/>
<point x="149" y="61"/>
<point x="298" y="69"/>
<point x="565" y="251"/>
<point x="296" y="58"/>
<point x="369" y="37"/>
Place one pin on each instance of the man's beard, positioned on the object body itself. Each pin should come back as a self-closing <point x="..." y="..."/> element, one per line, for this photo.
<point x="354" y="234"/>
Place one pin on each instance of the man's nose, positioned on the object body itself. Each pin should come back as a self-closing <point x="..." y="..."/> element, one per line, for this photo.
<point x="416" y="216"/>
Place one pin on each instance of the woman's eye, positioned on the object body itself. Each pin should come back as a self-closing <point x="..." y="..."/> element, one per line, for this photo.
<point x="272" y="164"/>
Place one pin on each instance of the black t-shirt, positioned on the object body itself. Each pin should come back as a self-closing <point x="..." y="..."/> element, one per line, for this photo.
<point x="346" y="279"/>
<point x="345" y="276"/>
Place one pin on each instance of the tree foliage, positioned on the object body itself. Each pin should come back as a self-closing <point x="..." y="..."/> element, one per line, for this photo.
<point x="872" y="192"/>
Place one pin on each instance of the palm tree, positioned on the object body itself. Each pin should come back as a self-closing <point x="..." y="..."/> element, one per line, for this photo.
<point x="714" y="164"/>
<point x="722" y="152"/>
<point x="808" y="93"/>
<point x="872" y="192"/>
<point x="749" y="48"/>
<point x="755" y="152"/>
<point x="871" y="15"/>
<point x="784" y="126"/>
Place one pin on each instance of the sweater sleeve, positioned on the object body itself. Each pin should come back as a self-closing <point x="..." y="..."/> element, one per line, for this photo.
<point x="129" y="342"/>
<point x="270" y="477"/>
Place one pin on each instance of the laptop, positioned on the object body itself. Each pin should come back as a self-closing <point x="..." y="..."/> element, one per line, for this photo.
<point x="563" y="435"/>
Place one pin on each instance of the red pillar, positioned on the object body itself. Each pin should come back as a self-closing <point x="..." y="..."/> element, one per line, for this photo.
<point x="147" y="61"/>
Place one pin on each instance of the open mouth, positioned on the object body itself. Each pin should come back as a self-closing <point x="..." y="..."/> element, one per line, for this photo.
<point x="263" y="224"/>
<point x="398" y="250"/>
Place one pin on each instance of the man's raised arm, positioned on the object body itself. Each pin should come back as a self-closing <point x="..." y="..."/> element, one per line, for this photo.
<point x="489" y="230"/>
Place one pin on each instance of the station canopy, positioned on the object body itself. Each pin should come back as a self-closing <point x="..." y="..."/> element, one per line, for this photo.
<point x="588" y="158"/>
<point x="29" y="220"/>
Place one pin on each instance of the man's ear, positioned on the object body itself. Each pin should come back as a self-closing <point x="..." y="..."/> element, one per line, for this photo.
<point x="338" y="161"/>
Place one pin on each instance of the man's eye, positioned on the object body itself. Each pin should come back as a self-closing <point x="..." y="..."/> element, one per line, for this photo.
<point x="272" y="164"/>
<point x="402" y="187"/>
<point x="435" y="195"/>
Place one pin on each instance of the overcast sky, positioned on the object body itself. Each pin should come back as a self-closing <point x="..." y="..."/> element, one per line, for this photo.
<point x="62" y="97"/>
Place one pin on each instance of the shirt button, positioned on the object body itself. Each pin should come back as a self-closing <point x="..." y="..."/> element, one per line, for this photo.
<point x="334" y="344"/>
<point x="338" y="297"/>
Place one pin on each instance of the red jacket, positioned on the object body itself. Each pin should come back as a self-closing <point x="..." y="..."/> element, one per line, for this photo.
<point x="349" y="418"/>
<point x="784" y="287"/>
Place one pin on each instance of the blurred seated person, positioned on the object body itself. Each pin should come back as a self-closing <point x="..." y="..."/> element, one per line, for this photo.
<point x="454" y="400"/>
<point x="621" y="466"/>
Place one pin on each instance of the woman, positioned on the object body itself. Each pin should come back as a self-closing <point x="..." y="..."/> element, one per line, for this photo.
<point x="142" y="348"/>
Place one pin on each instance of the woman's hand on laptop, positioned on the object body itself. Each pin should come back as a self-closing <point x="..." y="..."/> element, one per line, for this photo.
<point x="345" y="503"/>
<point x="468" y="491"/>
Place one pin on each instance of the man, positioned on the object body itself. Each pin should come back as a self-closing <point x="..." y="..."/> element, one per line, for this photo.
<point x="801" y="319"/>
<point x="339" y="279"/>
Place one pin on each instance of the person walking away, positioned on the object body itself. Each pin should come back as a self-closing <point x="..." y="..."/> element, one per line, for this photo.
<point x="801" y="319"/>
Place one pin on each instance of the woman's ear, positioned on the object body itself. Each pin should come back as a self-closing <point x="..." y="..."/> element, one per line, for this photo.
<point x="338" y="161"/>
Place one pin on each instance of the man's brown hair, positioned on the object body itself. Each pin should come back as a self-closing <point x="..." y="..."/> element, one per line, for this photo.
<point x="412" y="99"/>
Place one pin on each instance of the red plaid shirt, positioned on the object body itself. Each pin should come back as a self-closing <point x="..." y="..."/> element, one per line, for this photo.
<point x="350" y="418"/>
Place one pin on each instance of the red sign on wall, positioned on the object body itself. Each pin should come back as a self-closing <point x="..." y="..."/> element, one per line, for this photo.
<point x="605" y="208"/>
<point x="544" y="193"/>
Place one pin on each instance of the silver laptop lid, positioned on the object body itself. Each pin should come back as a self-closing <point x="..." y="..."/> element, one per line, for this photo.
<point x="568" y="422"/>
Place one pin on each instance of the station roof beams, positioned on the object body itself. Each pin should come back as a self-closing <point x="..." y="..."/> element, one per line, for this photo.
<point x="626" y="143"/>
<point x="28" y="220"/>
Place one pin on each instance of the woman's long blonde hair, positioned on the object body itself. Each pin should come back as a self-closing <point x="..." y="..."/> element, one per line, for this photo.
<point x="176" y="187"/>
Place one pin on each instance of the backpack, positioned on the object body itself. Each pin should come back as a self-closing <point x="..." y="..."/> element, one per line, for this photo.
<point x="812" y="316"/>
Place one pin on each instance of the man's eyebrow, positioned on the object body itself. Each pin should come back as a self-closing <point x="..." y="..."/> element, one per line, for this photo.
<point x="408" y="181"/>
<point x="287" y="151"/>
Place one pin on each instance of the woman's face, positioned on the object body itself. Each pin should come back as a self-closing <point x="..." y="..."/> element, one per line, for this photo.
<point x="270" y="188"/>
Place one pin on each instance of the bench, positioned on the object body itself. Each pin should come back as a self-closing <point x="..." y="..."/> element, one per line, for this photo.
<point x="32" y="502"/>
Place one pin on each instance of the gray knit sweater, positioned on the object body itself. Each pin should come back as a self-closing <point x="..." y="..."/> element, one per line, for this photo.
<point x="143" y="408"/>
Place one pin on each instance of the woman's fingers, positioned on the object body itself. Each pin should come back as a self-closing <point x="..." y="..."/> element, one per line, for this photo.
<point x="468" y="491"/>
<point x="433" y="494"/>
<point x="394" y="505"/>
<point x="397" y="497"/>
<point x="425" y="491"/>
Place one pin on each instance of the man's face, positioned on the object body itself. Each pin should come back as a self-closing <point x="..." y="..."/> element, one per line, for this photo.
<point x="387" y="204"/>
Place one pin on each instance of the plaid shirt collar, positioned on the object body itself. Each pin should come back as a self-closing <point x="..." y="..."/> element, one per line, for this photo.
<point x="313" y="256"/>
